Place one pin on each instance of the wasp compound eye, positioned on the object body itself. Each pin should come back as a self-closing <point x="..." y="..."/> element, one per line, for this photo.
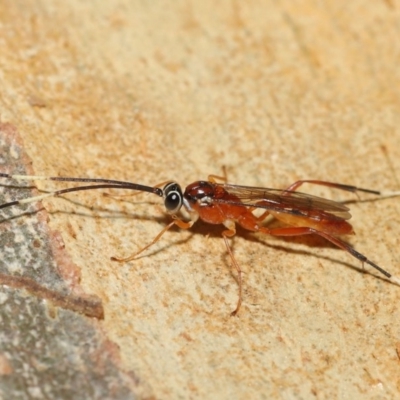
<point x="173" y="197"/>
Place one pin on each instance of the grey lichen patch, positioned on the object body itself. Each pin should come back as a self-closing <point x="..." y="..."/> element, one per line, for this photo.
<point x="46" y="352"/>
<point x="24" y="235"/>
<point x="31" y="252"/>
<point x="60" y="358"/>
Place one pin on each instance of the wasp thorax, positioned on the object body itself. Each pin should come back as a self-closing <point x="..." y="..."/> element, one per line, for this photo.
<point x="201" y="192"/>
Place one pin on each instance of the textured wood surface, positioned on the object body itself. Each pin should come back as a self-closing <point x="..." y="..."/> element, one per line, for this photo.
<point x="274" y="91"/>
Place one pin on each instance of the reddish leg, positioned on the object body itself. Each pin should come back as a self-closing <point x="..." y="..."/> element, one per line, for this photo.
<point x="340" y="186"/>
<point x="299" y="231"/>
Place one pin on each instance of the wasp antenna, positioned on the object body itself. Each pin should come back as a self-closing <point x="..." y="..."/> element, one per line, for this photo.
<point x="389" y="193"/>
<point x="101" y="184"/>
<point x="26" y="177"/>
<point x="395" y="280"/>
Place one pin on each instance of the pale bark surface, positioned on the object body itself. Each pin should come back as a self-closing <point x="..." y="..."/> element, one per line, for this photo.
<point x="150" y="91"/>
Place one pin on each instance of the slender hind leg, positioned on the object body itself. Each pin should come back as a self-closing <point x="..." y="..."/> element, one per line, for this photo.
<point x="299" y="231"/>
<point x="340" y="186"/>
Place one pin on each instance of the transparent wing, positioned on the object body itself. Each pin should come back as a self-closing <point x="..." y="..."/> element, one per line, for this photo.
<point x="277" y="200"/>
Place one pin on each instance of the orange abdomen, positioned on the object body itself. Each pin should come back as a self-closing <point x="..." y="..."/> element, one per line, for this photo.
<point x="331" y="226"/>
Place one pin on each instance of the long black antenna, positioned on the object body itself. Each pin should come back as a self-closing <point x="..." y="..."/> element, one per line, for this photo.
<point x="102" y="184"/>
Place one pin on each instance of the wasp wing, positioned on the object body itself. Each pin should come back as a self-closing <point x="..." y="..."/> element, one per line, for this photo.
<point x="283" y="201"/>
